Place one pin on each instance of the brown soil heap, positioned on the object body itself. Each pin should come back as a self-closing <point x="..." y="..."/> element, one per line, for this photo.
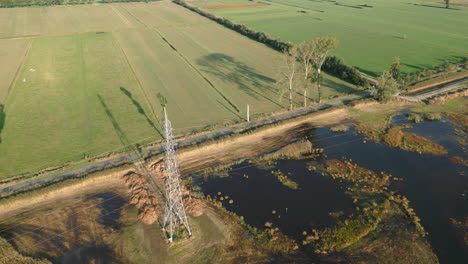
<point x="142" y="197"/>
<point x="192" y="205"/>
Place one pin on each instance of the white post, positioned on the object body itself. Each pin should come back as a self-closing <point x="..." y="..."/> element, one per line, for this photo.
<point x="248" y="113"/>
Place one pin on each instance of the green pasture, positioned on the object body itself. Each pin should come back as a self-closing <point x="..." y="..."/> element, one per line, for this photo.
<point x="71" y="104"/>
<point x="12" y="53"/>
<point x="369" y="36"/>
<point x="77" y="95"/>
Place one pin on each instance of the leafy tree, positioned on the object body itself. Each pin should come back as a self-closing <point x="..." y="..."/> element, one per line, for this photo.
<point x="322" y="45"/>
<point x="387" y="87"/>
<point x="395" y="68"/>
<point x="162" y="100"/>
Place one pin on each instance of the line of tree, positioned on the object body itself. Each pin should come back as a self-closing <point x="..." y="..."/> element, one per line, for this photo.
<point x="351" y="74"/>
<point x="303" y="64"/>
<point x="244" y="30"/>
<point x="26" y="3"/>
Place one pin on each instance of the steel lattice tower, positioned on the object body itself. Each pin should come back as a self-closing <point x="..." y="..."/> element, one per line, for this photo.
<point x="175" y="212"/>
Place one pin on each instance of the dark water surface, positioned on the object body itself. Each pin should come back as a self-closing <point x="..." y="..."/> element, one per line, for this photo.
<point x="436" y="186"/>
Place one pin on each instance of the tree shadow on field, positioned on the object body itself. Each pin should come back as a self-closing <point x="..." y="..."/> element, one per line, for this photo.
<point x="140" y="109"/>
<point x="368" y="72"/>
<point x="120" y="134"/>
<point x="245" y="77"/>
<point x="338" y="87"/>
<point x="40" y="242"/>
<point x="433" y="6"/>
<point x="2" y="120"/>
<point x="416" y="67"/>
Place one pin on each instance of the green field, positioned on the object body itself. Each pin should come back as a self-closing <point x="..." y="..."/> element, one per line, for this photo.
<point x="369" y="36"/>
<point x="83" y="87"/>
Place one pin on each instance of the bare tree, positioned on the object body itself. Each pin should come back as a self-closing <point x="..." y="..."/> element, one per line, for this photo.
<point x="322" y="45"/>
<point x="305" y="51"/>
<point x="288" y="73"/>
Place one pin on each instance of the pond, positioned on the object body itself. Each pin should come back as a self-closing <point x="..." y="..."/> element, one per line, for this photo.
<point x="435" y="185"/>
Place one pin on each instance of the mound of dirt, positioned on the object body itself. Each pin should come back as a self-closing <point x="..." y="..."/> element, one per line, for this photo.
<point x="142" y="197"/>
<point x="192" y="205"/>
<point x="442" y="99"/>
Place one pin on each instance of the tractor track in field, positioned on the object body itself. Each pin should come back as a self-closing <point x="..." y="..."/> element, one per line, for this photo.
<point x="18" y="70"/>
<point x="199" y="73"/>
<point x="184" y="143"/>
<point x="187" y="61"/>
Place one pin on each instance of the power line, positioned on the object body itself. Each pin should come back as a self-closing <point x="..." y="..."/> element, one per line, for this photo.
<point x="69" y="230"/>
<point x="42" y="215"/>
<point x="154" y="185"/>
<point x="157" y="190"/>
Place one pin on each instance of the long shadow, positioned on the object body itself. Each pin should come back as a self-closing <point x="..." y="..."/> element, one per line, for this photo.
<point x="111" y="209"/>
<point x="413" y="66"/>
<point x="338" y="87"/>
<point x="2" y="120"/>
<point x="43" y="240"/>
<point x="229" y="109"/>
<point x="140" y="109"/>
<point x="370" y="73"/>
<point x="245" y="77"/>
<point x="442" y="7"/>
<point x="122" y="137"/>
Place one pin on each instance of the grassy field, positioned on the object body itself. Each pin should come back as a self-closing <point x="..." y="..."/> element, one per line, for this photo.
<point x="89" y="86"/>
<point x="369" y="36"/>
<point x="12" y="51"/>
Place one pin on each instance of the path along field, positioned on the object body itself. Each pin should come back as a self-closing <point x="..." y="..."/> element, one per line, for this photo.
<point x="87" y="82"/>
<point x="370" y="31"/>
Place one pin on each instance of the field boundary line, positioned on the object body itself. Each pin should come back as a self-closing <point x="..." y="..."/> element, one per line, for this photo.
<point x="117" y="12"/>
<point x="197" y="71"/>
<point x="85" y="90"/>
<point x="135" y="17"/>
<point x="117" y="43"/>
<point x="18" y="70"/>
<point x="22" y="37"/>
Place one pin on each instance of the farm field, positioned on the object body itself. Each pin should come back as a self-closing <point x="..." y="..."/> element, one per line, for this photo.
<point x="370" y="31"/>
<point x="12" y="51"/>
<point x="87" y="87"/>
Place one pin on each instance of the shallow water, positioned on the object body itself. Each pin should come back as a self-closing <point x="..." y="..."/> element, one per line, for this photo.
<point x="258" y="195"/>
<point x="435" y="185"/>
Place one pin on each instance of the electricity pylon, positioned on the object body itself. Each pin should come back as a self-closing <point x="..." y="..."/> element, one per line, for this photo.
<point x="175" y="212"/>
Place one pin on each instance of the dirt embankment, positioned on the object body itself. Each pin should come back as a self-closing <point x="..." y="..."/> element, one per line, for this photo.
<point x="424" y="85"/>
<point x="262" y="141"/>
<point x="31" y="200"/>
<point x="440" y="100"/>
